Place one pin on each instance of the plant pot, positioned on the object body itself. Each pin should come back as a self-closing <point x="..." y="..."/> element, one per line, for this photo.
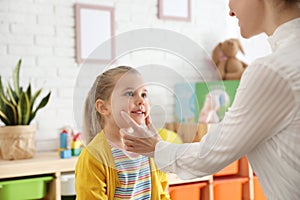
<point x="17" y="142"/>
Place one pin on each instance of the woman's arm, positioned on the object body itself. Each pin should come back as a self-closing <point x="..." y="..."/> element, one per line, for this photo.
<point x="262" y="105"/>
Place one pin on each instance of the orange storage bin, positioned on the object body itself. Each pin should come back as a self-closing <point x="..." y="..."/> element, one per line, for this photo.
<point x="231" y="169"/>
<point x="258" y="192"/>
<point x="229" y="188"/>
<point x="191" y="191"/>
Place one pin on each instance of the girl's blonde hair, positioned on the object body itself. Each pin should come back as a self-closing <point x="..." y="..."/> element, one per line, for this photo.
<point x="101" y="89"/>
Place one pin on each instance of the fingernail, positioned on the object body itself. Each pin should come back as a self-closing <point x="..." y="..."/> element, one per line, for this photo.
<point x="130" y="130"/>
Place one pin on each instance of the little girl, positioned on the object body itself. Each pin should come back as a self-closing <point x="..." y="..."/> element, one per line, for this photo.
<point x="104" y="169"/>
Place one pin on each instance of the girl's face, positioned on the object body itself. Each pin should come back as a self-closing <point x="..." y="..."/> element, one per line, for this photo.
<point x="129" y="95"/>
<point x="250" y="14"/>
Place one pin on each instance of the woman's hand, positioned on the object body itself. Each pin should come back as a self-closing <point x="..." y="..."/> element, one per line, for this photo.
<point x="139" y="139"/>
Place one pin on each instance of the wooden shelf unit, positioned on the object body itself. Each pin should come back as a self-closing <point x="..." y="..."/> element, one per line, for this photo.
<point x="49" y="163"/>
<point x="241" y="169"/>
<point x="44" y="163"/>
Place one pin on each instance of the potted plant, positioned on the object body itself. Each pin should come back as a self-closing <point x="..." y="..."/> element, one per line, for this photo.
<point x="18" y="107"/>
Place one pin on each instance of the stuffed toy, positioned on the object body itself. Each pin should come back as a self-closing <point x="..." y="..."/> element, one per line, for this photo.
<point x="224" y="56"/>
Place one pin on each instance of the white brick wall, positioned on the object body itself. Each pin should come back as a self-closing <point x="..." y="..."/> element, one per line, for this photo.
<point x="42" y="33"/>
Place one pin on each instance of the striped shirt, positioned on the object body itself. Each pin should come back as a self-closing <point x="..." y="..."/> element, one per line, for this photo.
<point x="134" y="175"/>
<point x="262" y="123"/>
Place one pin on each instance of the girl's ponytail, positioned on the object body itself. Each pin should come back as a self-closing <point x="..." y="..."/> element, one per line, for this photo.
<point x="91" y="121"/>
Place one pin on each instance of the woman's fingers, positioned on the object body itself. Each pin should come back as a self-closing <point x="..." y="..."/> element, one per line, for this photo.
<point x="129" y="120"/>
<point x="150" y="125"/>
<point x="137" y="130"/>
<point x="137" y="138"/>
<point x="141" y="145"/>
<point x="128" y="144"/>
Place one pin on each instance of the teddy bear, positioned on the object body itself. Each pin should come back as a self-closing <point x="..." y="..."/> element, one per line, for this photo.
<point x="224" y="57"/>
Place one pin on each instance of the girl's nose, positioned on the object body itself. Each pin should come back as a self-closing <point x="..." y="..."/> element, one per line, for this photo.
<point x="140" y="100"/>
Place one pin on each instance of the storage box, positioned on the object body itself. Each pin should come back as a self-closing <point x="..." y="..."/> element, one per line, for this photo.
<point x="27" y="188"/>
<point x="231" y="169"/>
<point x="191" y="191"/>
<point x="258" y="192"/>
<point x="209" y="100"/>
<point x="229" y="188"/>
<point x="68" y="184"/>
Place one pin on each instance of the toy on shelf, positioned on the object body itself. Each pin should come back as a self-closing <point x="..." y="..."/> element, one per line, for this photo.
<point x="64" y="150"/>
<point x="224" y="56"/>
<point x="70" y="144"/>
<point x="76" y="145"/>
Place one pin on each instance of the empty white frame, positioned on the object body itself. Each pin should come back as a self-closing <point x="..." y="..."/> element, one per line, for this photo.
<point x="175" y="9"/>
<point x="94" y="27"/>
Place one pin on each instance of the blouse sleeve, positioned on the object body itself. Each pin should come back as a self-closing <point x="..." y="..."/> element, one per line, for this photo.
<point x="89" y="179"/>
<point x="263" y="105"/>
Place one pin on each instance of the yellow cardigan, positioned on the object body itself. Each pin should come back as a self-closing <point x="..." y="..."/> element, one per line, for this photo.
<point x="96" y="176"/>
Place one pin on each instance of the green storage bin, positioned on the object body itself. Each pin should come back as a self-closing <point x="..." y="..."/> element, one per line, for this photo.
<point x="27" y="188"/>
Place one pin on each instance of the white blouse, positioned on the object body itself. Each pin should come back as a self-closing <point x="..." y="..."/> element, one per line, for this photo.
<point x="263" y="123"/>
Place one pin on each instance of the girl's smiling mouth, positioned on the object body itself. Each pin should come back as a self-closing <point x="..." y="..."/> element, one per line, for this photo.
<point x="138" y="112"/>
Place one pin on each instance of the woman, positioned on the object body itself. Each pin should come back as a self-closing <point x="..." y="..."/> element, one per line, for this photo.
<point x="264" y="120"/>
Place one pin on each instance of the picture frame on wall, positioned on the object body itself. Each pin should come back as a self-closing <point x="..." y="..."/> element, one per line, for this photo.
<point x="179" y="10"/>
<point x="94" y="33"/>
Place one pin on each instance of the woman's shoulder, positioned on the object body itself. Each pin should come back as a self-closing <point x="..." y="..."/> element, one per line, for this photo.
<point x="285" y="65"/>
<point x="285" y="56"/>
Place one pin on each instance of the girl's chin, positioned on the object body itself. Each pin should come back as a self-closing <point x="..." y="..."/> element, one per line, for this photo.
<point x="138" y="120"/>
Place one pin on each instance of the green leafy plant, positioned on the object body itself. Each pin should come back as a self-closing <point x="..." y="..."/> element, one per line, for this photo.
<point x="17" y="106"/>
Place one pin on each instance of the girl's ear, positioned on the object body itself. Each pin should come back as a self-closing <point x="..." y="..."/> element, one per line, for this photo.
<point x="101" y="107"/>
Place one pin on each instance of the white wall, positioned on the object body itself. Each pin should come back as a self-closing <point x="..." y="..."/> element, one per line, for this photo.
<point x="42" y="33"/>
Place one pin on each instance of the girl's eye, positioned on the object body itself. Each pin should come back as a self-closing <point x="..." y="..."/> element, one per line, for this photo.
<point x="129" y="93"/>
<point x="144" y="95"/>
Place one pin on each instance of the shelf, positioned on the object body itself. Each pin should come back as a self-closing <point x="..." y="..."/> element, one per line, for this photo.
<point x="189" y="191"/>
<point x="42" y="163"/>
<point x="240" y="169"/>
<point x="50" y="163"/>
